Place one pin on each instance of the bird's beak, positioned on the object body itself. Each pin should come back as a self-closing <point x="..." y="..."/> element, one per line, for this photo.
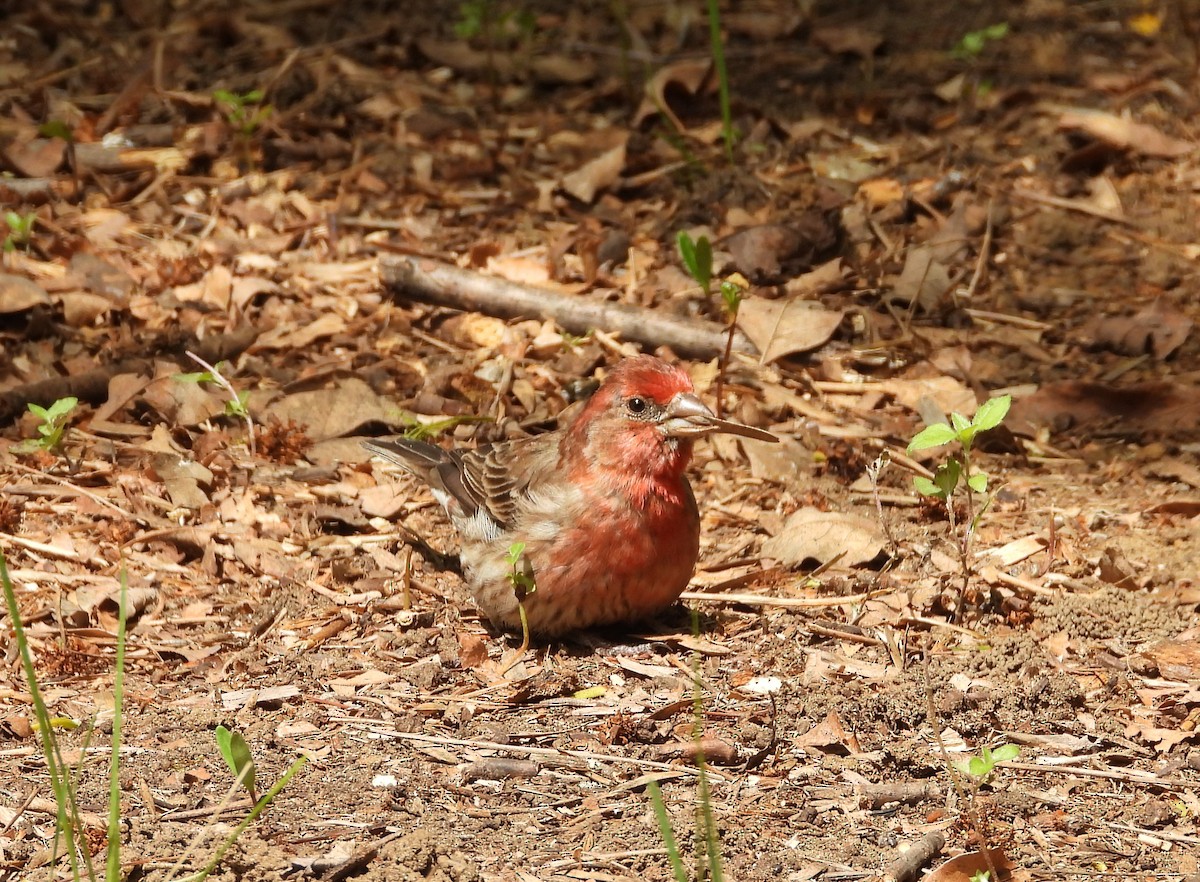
<point x="687" y="416"/>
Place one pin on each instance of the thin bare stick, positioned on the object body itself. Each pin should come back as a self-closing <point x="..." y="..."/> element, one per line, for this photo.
<point x="442" y="284"/>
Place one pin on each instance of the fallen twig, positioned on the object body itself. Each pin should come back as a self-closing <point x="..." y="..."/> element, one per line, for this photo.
<point x="442" y="284"/>
<point x="92" y="386"/>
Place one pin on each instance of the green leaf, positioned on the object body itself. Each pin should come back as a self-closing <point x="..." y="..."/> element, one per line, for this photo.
<point x="978" y="482"/>
<point x="926" y="487"/>
<point x="978" y="767"/>
<point x="959" y="422"/>
<point x="237" y="755"/>
<point x="1006" y="753"/>
<point x="732" y="295"/>
<point x="55" y="128"/>
<point x="932" y="436"/>
<point x="196" y="377"/>
<point x="946" y="477"/>
<point x="697" y="258"/>
<point x="991" y="413"/>
<point x="687" y="251"/>
<point x="515" y="551"/>
<point x="223" y="736"/>
<point x="38" y="411"/>
<point x="61" y="408"/>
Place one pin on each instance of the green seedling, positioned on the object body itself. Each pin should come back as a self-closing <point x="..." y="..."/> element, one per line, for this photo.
<point x="53" y="426"/>
<point x="244" y="111"/>
<point x="981" y="876"/>
<point x="56" y="128"/>
<point x="236" y="753"/>
<point x="235" y="406"/>
<point x="981" y="768"/>
<point x="20" y="230"/>
<point x="416" y="430"/>
<point x="235" y="402"/>
<point x="697" y="259"/>
<point x="957" y="473"/>
<point x="973" y="43"/>
<point x="478" y="18"/>
<point x="520" y="576"/>
<point x="945" y="481"/>
<point x="731" y="296"/>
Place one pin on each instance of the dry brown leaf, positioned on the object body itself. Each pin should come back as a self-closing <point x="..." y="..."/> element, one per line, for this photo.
<point x="813" y="535"/>
<point x="37" y="157"/>
<point x="1124" y="133"/>
<point x="599" y="174"/>
<point x="472" y="649"/>
<point x="18" y="294"/>
<point x="688" y="74"/>
<point x="334" y="411"/>
<point x="763" y="24"/>
<point x="759" y="251"/>
<point x="829" y="735"/>
<point x="966" y="866"/>
<point x="215" y="289"/>
<point x="849" y="40"/>
<point x="946" y="393"/>
<point x="1176" y="659"/>
<point x="182" y="403"/>
<point x="1159" y="329"/>
<point x="880" y="192"/>
<point x="783" y="327"/>
<point x="1164" y="740"/>
<point x="183" y="479"/>
<point x="1156" y="408"/>
<point x="826" y="277"/>
<point x="284" y="337"/>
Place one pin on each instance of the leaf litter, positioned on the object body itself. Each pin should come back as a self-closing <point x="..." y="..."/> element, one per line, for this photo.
<point x="957" y="254"/>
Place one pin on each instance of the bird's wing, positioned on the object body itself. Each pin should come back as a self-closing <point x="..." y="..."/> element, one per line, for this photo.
<point x="498" y="477"/>
<point x="494" y="478"/>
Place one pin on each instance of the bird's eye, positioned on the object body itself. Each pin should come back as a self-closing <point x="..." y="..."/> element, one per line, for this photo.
<point x="636" y="404"/>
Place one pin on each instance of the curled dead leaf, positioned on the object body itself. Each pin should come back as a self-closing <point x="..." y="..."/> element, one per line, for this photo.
<point x="784" y="327"/>
<point x="813" y="535"/>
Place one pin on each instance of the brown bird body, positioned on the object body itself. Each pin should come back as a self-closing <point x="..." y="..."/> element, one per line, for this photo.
<point x="603" y="507"/>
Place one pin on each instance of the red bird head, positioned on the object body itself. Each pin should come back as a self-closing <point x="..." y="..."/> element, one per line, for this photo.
<point x="643" y="420"/>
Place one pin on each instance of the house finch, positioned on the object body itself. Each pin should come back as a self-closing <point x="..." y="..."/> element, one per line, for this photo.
<point x="603" y="507"/>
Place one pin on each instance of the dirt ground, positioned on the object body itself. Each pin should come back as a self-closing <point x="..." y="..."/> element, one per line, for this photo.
<point x="920" y="223"/>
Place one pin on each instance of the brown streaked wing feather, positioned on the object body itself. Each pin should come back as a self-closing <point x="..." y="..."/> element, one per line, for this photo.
<point x="499" y="476"/>
<point x="416" y="456"/>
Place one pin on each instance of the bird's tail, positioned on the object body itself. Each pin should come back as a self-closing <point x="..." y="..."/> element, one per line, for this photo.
<point x="418" y="457"/>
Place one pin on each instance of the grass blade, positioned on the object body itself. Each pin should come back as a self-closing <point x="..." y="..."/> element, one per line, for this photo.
<point x="664" y="829"/>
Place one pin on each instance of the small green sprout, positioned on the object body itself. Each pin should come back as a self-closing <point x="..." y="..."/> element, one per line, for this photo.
<point x="697" y="258"/>
<point x="244" y="111"/>
<point x="20" y="230"/>
<point x="478" y="18"/>
<point x="235" y="405"/>
<point x="989" y="415"/>
<point x="53" y="425"/>
<point x="957" y="472"/>
<point x="416" y="430"/>
<point x="981" y="768"/>
<point x="973" y="43"/>
<point x="981" y="876"/>
<point x="56" y="128"/>
<point x="236" y="753"/>
<point x="520" y="576"/>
